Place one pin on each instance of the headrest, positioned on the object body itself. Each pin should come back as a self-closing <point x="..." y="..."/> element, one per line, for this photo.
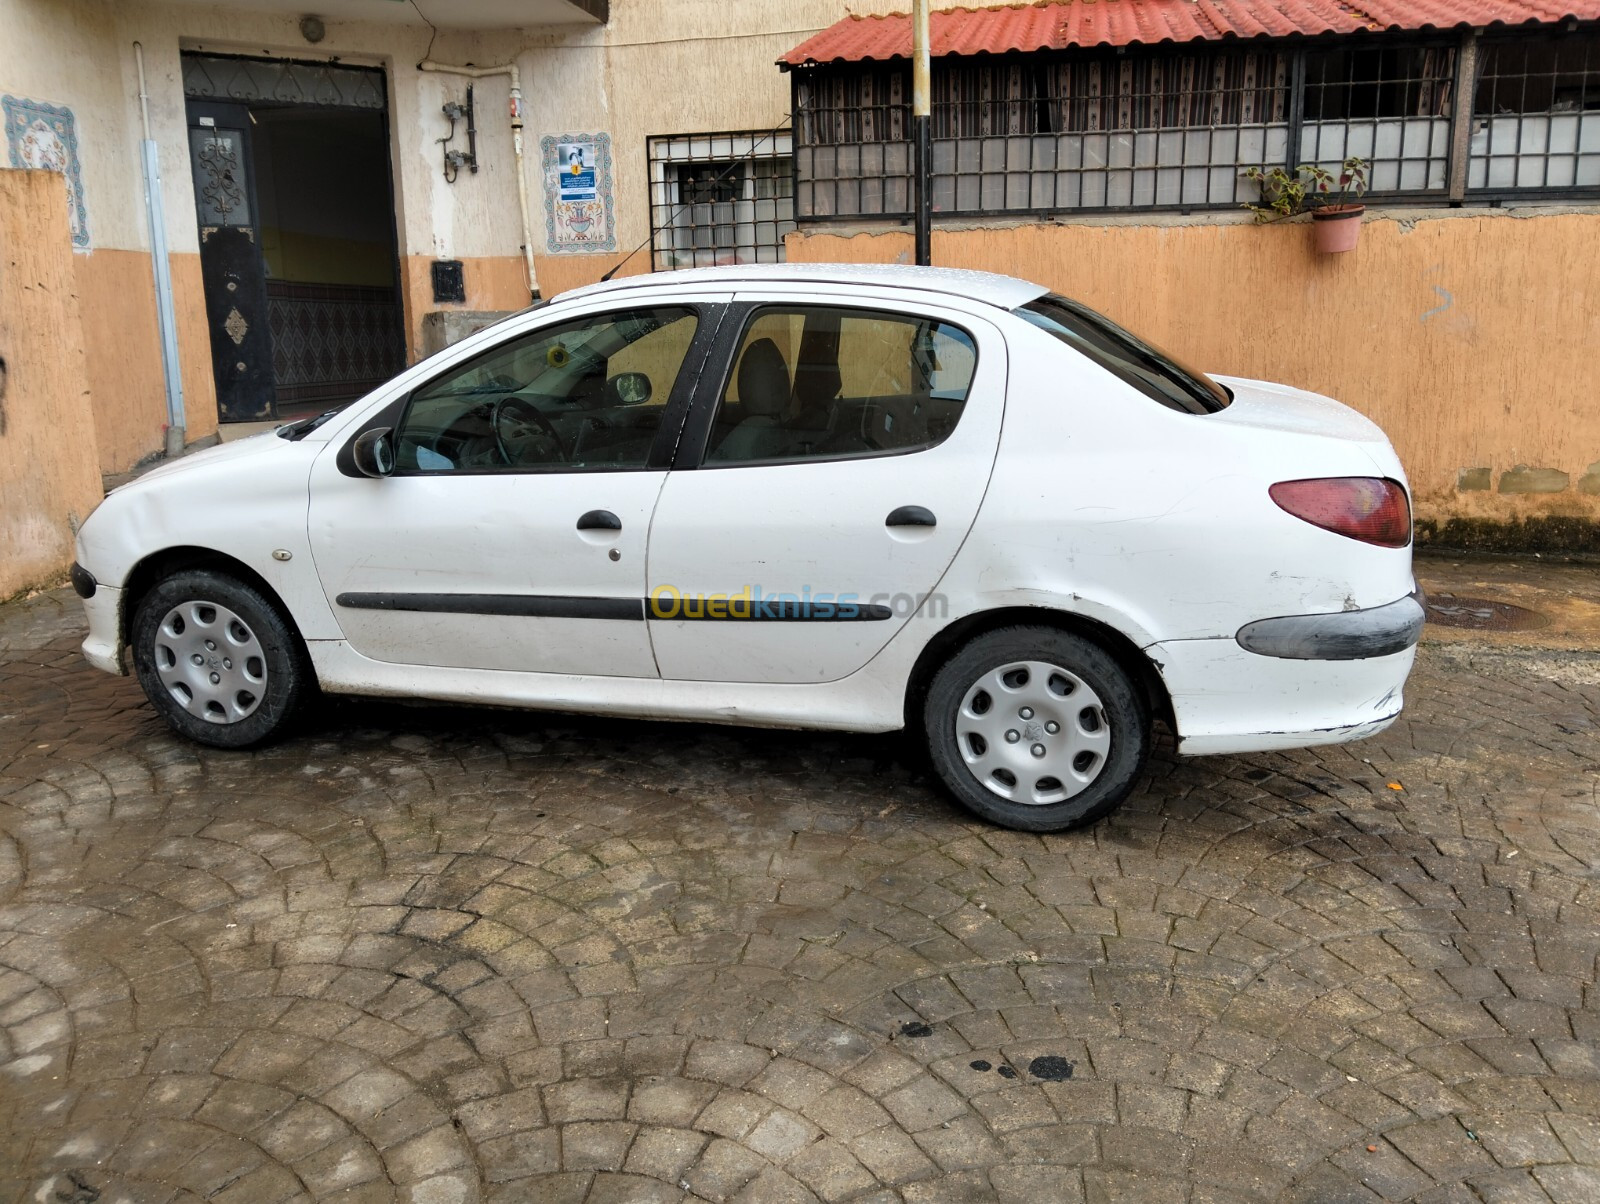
<point x="764" y="380"/>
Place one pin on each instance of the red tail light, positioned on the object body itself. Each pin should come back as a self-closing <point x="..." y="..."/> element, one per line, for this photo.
<point x="1371" y="509"/>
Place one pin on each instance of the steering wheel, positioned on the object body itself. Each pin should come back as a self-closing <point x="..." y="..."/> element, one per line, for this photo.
<point x="515" y="422"/>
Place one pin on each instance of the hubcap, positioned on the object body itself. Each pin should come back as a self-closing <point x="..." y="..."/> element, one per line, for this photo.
<point x="1032" y="732"/>
<point x="211" y="662"/>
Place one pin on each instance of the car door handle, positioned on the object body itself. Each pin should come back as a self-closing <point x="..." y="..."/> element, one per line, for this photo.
<point x="599" y="520"/>
<point x="911" y="516"/>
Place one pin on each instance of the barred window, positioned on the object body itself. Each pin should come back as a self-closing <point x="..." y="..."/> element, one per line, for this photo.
<point x="720" y="198"/>
<point x="1175" y="128"/>
<point x="1103" y="131"/>
<point x="1536" y="115"/>
<point x="1389" y="105"/>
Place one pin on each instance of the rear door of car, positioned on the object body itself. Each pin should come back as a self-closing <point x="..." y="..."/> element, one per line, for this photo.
<point x="835" y="459"/>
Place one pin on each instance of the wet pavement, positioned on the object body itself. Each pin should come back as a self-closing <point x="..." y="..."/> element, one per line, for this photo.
<point x="447" y="955"/>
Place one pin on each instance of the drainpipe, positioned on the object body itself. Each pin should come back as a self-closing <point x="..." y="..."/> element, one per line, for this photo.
<point x="166" y="320"/>
<point x="922" y="130"/>
<point x="510" y="70"/>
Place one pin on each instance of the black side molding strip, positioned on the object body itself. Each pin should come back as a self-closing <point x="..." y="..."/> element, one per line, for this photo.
<point x="557" y="606"/>
<point x="524" y="606"/>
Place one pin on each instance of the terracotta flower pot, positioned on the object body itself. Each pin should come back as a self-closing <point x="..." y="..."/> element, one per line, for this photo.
<point x="1337" y="227"/>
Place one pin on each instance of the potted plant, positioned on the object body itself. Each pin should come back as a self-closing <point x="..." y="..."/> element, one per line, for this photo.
<point x="1334" y="202"/>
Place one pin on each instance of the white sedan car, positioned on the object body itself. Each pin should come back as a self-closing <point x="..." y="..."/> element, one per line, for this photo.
<point x="796" y="496"/>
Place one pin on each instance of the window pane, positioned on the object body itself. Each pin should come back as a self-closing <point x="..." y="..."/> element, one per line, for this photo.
<point x="584" y="394"/>
<point x="826" y="384"/>
<point x="1146" y="367"/>
<point x="1538" y="113"/>
<point x="720" y="198"/>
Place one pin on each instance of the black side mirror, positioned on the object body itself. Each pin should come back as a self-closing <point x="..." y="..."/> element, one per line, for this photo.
<point x="373" y="452"/>
<point x="629" y="388"/>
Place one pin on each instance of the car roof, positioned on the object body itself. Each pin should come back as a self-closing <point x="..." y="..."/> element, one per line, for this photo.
<point x="1006" y="292"/>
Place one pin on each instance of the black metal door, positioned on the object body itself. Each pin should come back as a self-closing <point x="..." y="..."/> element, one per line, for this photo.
<point x="232" y="269"/>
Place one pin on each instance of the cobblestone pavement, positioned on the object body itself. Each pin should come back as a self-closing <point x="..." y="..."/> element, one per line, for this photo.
<point x="444" y="955"/>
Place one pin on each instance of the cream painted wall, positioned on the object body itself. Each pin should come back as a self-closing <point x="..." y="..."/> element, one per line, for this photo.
<point x="63" y="52"/>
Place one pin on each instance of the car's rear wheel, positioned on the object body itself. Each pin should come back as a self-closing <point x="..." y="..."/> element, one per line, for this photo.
<point x="217" y="660"/>
<point x="1036" y="729"/>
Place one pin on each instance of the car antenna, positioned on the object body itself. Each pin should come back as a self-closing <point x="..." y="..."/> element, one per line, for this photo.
<point x="770" y="134"/>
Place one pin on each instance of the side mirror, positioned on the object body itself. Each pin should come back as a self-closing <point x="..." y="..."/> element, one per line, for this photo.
<point x="373" y="452"/>
<point x="630" y="388"/>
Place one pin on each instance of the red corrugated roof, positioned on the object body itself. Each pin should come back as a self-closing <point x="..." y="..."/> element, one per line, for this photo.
<point x="1063" y="23"/>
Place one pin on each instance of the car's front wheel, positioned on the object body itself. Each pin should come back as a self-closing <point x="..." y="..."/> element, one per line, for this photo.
<point x="1036" y="729"/>
<point x="217" y="660"/>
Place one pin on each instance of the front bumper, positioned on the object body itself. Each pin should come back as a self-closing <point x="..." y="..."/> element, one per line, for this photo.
<point x="103" y="648"/>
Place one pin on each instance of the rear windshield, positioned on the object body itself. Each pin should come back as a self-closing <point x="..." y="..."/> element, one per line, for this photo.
<point x="1149" y="369"/>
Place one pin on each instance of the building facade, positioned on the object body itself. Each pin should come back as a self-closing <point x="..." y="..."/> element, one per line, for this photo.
<point x="341" y="190"/>
<point x="329" y="181"/>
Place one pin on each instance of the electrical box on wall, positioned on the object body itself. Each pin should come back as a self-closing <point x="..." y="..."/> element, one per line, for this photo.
<point x="449" y="281"/>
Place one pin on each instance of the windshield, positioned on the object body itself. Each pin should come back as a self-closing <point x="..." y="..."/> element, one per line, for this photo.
<point x="1147" y="368"/>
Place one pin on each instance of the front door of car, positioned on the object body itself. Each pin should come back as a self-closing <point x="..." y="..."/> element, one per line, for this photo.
<point x="839" y="452"/>
<point x="512" y="532"/>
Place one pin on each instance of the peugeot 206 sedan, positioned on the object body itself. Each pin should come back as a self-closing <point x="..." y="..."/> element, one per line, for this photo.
<point x="796" y="496"/>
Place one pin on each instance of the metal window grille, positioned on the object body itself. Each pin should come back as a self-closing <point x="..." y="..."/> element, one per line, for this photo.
<point x="1091" y="131"/>
<point x="1082" y="132"/>
<point x="1388" y="104"/>
<point x="1536" y="115"/>
<point x="720" y="198"/>
<point x="223" y="77"/>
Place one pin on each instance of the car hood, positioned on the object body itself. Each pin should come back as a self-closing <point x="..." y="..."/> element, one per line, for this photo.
<point x="1268" y="406"/>
<point x="211" y="457"/>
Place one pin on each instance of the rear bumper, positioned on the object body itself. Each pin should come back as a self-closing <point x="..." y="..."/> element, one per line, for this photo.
<point x="103" y="648"/>
<point x="1228" y="700"/>
<point x="1346" y="636"/>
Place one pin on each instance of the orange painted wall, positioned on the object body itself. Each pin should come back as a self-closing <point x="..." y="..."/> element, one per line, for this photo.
<point x="49" y="463"/>
<point x="122" y="348"/>
<point x="558" y="273"/>
<point x="194" y="347"/>
<point x="492" y="283"/>
<point x="122" y="352"/>
<point x="1470" y="339"/>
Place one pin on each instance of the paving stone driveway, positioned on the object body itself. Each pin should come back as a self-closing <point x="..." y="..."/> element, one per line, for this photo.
<point x="444" y="955"/>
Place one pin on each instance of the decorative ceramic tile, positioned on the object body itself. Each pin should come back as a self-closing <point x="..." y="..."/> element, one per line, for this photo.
<point x="578" y="209"/>
<point x="43" y="136"/>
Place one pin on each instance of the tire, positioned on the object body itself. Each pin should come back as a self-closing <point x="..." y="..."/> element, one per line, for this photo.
<point x="244" y="642"/>
<point x="1052" y="710"/>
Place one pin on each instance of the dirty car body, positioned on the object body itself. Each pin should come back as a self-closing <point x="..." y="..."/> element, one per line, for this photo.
<point x="805" y="496"/>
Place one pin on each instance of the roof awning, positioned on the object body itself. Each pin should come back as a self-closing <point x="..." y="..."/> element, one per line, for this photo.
<point x="1068" y="23"/>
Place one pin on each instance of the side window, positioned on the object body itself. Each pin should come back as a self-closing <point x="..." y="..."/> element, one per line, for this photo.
<point x="822" y="383"/>
<point x="585" y="394"/>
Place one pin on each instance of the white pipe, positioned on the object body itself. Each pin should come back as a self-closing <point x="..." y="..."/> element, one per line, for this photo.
<point x="921" y="89"/>
<point x="510" y="69"/>
<point x="161" y="270"/>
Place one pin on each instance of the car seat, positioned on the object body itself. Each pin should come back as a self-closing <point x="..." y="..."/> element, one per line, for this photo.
<point x="764" y="394"/>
